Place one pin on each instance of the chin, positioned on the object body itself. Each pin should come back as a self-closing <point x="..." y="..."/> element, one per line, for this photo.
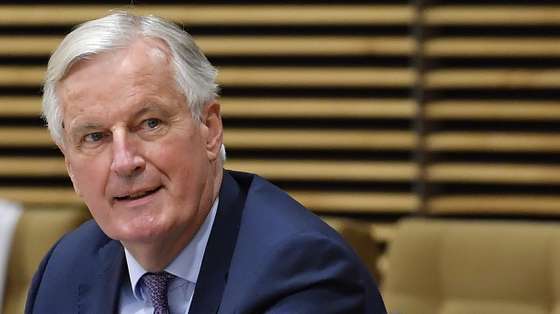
<point x="138" y="238"/>
<point x="131" y="231"/>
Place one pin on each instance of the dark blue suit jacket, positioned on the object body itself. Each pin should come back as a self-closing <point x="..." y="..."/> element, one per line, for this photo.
<point x="266" y="254"/>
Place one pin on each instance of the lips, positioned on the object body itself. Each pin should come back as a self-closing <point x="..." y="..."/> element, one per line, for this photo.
<point x="137" y="195"/>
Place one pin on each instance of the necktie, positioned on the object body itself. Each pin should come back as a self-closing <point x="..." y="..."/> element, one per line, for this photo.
<point x="157" y="286"/>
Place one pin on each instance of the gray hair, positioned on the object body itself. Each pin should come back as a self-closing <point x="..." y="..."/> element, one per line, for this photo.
<point x="195" y="76"/>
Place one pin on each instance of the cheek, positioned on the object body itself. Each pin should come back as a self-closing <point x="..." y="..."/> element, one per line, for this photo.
<point x="92" y="180"/>
<point x="181" y="172"/>
<point x="90" y="176"/>
<point x="178" y="155"/>
<point x="186" y="169"/>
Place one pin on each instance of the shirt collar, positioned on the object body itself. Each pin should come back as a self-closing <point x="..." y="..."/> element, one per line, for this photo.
<point x="186" y="265"/>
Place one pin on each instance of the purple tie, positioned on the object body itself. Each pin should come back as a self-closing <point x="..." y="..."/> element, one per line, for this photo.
<point x="157" y="285"/>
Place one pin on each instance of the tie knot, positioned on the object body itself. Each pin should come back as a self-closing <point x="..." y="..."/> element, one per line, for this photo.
<point x="157" y="286"/>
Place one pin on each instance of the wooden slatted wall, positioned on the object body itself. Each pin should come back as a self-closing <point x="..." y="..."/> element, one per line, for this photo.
<point x="491" y="107"/>
<point x="368" y="109"/>
<point x="315" y="97"/>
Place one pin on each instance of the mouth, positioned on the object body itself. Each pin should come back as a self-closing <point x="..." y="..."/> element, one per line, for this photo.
<point x="137" y="195"/>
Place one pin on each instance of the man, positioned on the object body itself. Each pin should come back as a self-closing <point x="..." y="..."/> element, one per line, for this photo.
<point x="131" y="103"/>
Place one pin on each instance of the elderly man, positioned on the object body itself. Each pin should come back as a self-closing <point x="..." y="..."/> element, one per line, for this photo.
<point x="131" y="103"/>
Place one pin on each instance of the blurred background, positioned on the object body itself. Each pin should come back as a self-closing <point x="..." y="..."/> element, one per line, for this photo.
<point x="367" y="112"/>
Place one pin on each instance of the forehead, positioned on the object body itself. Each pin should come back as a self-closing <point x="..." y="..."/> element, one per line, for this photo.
<point x="118" y="80"/>
<point x="143" y="62"/>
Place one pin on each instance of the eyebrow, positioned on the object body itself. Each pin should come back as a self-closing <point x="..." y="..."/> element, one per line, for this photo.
<point x="149" y="108"/>
<point x="84" y="128"/>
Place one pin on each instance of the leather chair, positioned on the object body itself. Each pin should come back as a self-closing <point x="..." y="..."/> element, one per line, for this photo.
<point x="37" y="230"/>
<point x="445" y="266"/>
<point x="358" y="235"/>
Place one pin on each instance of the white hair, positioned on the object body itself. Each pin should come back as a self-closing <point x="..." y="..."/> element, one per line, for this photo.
<point x="194" y="75"/>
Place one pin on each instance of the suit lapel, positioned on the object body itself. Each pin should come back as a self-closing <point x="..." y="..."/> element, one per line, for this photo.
<point x="219" y="250"/>
<point x="99" y="292"/>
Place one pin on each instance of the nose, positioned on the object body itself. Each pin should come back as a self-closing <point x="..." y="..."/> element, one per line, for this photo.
<point x="126" y="162"/>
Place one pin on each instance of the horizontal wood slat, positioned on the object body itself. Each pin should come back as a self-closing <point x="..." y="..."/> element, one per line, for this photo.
<point x="315" y="77"/>
<point x="327" y="170"/>
<point x="494" y="141"/>
<point x="217" y="14"/>
<point x="316" y="139"/>
<point x="257" y="138"/>
<point x="261" y="76"/>
<point x="306" y="45"/>
<point x="492" y="47"/>
<point x="493" y="78"/>
<point x="256" y="107"/>
<point x="494" y="173"/>
<point x="25" y="137"/>
<point x="357" y="202"/>
<point x="245" y="45"/>
<point x="492" y="15"/>
<point x="32" y="167"/>
<point x="28" y="45"/>
<point x="318" y="107"/>
<point x="26" y="106"/>
<point x="43" y="196"/>
<point x="21" y="75"/>
<point x="493" y="110"/>
<point x="495" y="204"/>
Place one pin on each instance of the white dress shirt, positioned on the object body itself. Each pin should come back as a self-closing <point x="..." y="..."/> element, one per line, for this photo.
<point x="134" y="296"/>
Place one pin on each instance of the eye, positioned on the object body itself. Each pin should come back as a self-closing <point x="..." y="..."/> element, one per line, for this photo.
<point x="151" y="123"/>
<point x="93" y="137"/>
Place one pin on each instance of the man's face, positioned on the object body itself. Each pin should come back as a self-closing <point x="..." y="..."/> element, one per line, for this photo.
<point x="145" y="168"/>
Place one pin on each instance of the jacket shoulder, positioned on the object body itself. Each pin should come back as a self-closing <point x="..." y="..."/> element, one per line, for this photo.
<point x="287" y="260"/>
<point x="275" y="215"/>
<point x="73" y="257"/>
<point x="79" y="245"/>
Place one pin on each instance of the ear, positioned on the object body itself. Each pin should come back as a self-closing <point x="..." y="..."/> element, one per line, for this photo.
<point x="212" y="120"/>
<point x="71" y="174"/>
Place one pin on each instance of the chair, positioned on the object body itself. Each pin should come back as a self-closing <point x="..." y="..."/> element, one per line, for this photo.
<point x="445" y="266"/>
<point x="37" y="230"/>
